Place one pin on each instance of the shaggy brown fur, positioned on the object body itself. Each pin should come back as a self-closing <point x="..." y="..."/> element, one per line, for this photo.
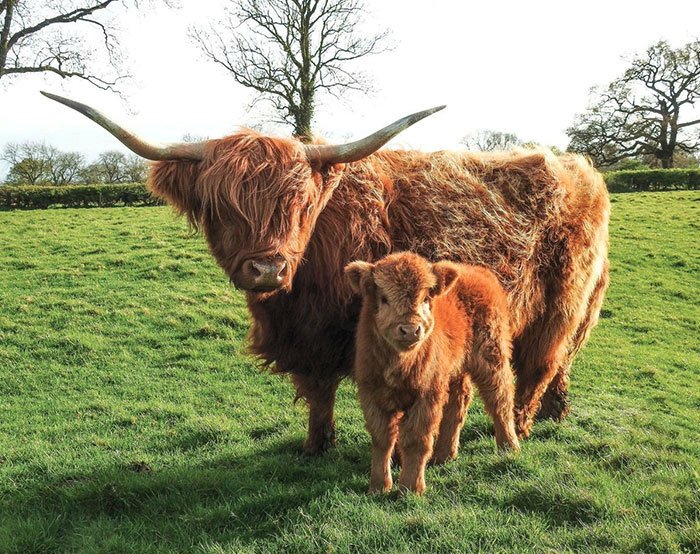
<point x="539" y="222"/>
<point x="426" y="331"/>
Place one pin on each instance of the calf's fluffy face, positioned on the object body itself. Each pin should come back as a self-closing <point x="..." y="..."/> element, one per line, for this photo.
<point x="399" y="291"/>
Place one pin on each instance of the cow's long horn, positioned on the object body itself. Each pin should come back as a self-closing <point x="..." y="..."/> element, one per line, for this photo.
<point x="148" y="150"/>
<point x="353" y="151"/>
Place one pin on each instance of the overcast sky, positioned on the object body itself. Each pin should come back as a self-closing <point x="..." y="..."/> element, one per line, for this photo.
<point x="518" y="66"/>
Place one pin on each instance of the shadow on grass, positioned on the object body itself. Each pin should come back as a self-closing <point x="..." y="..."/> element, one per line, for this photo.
<point x="242" y="497"/>
<point x="257" y="492"/>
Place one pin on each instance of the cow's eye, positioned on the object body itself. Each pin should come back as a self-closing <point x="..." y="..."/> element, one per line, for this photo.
<point x="384" y="299"/>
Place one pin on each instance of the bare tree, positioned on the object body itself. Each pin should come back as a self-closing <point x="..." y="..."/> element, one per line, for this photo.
<point x="135" y="169"/>
<point x="30" y="163"/>
<point x="36" y="163"/>
<point x="110" y="167"/>
<point x="291" y="50"/>
<point x="29" y="171"/>
<point x="639" y="114"/>
<point x="488" y="141"/>
<point x="63" y="37"/>
<point x="65" y="167"/>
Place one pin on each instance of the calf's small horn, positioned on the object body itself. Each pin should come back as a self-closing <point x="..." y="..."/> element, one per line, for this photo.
<point x="151" y="151"/>
<point x="353" y="151"/>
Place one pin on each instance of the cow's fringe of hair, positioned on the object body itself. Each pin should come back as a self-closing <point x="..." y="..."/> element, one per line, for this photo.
<point x="237" y="172"/>
<point x="255" y="185"/>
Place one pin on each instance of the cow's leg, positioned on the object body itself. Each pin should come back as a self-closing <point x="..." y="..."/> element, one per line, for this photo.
<point x="555" y="401"/>
<point x="319" y="393"/>
<point x="453" y="416"/>
<point x="540" y="352"/>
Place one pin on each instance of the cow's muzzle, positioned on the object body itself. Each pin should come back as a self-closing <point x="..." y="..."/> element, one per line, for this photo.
<point x="261" y="275"/>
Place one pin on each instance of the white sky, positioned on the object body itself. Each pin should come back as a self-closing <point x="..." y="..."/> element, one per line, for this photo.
<point x="517" y="66"/>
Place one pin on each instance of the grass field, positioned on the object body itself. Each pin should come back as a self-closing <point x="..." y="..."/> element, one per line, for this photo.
<point x="131" y="419"/>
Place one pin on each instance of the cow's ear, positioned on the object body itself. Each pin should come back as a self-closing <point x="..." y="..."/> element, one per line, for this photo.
<point x="446" y="274"/>
<point x="359" y="276"/>
<point x="175" y="182"/>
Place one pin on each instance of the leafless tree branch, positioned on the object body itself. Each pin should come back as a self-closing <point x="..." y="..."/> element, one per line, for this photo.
<point x="639" y="113"/>
<point x="291" y="50"/>
<point x="53" y="36"/>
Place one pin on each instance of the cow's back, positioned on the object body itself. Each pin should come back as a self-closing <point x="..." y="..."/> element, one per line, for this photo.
<point x="511" y="212"/>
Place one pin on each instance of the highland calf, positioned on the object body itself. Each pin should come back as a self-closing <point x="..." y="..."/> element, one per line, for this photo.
<point x="425" y="332"/>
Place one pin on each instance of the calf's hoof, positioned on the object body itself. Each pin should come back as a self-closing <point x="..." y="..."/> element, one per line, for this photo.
<point x="380" y="487"/>
<point x="509" y="447"/>
<point x="412" y="488"/>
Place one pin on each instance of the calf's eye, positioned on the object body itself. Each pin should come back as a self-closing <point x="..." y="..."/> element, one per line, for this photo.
<point x="384" y="299"/>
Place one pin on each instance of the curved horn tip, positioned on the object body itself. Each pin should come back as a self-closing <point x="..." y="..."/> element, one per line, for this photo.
<point x="416" y="117"/>
<point x="67" y="102"/>
<point x="55" y="97"/>
<point x="431" y="111"/>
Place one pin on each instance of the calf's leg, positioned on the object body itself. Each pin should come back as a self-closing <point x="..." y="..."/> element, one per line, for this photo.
<point x="383" y="427"/>
<point x="417" y="431"/>
<point x="453" y="416"/>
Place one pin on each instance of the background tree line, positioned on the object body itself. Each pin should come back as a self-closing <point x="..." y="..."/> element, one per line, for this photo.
<point x="292" y="52"/>
<point x="36" y="163"/>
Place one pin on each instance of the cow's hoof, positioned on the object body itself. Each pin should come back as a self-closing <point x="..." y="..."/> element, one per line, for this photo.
<point x="555" y="405"/>
<point x="440" y="458"/>
<point x="318" y="443"/>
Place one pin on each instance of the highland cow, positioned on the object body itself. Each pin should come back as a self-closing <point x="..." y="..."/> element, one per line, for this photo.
<point x="283" y="218"/>
<point x="425" y="333"/>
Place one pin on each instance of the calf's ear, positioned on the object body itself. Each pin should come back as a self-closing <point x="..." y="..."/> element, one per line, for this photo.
<point x="359" y="276"/>
<point x="446" y="274"/>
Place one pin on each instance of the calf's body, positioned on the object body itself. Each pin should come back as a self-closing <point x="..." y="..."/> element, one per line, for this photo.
<point x="426" y="333"/>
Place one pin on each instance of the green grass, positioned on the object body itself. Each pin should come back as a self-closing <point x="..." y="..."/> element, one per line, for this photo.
<point x="131" y="419"/>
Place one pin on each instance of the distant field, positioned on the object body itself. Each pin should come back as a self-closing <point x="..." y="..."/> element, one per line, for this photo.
<point x="131" y="419"/>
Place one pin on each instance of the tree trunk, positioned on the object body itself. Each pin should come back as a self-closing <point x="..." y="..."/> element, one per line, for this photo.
<point x="305" y="112"/>
<point x="302" y="120"/>
<point x="5" y="35"/>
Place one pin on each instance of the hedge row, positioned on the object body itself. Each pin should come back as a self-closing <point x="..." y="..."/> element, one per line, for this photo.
<point x="653" y="180"/>
<point x="136" y="194"/>
<point x="75" y="196"/>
